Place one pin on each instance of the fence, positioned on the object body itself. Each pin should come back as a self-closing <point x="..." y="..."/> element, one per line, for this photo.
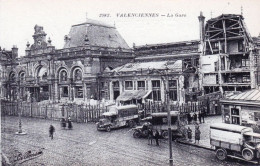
<point x="85" y="113"/>
<point x="184" y="108"/>
<point x="78" y="113"/>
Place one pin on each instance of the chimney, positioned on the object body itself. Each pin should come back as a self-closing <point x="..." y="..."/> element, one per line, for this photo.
<point x="14" y="52"/>
<point x="202" y="28"/>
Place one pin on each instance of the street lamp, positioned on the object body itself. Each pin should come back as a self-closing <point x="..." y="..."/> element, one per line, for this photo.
<point x="19" y="132"/>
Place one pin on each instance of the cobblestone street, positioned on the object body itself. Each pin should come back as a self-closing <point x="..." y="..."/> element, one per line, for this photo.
<point x="84" y="145"/>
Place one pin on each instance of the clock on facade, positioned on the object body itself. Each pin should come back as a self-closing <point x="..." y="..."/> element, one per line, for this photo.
<point x="39" y="42"/>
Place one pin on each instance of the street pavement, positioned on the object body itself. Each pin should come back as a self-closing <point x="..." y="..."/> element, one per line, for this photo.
<point x="205" y="131"/>
<point x="84" y="145"/>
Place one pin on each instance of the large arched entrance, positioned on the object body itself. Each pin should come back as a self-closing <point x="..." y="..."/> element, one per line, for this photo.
<point x="40" y="90"/>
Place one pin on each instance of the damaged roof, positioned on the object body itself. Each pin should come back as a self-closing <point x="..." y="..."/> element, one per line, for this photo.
<point x="94" y="33"/>
<point x="175" y="66"/>
<point x="251" y="95"/>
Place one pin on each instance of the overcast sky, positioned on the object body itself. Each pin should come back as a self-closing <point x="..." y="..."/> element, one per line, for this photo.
<point x="18" y="18"/>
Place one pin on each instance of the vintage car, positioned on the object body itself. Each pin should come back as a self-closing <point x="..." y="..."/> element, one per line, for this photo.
<point x="159" y="121"/>
<point x="235" y="141"/>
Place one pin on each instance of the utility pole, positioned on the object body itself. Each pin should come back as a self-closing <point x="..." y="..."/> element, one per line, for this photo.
<point x="169" y="129"/>
<point x="169" y="117"/>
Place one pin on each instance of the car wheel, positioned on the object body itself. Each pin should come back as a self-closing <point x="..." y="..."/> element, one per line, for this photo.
<point x="221" y="154"/>
<point x="108" y="129"/>
<point x="145" y="133"/>
<point x="248" y="154"/>
<point x="137" y="134"/>
<point x="165" y="135"/>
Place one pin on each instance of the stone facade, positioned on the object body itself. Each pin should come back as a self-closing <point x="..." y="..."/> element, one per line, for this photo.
<point x="96" y="62"/>
<point x="46" y="73"/>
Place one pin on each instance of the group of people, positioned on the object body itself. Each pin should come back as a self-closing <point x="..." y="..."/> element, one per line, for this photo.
<point x="153" y="135"/>
<point x="63" y="125"/>
<point x="197" y="134"/>
<point x="194" y="116"/>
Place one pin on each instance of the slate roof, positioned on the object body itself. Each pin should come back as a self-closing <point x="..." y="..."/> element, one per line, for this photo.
<point x="175" y="66"/>
<point x="97" y="33"/>
<point x="251" y="95"/>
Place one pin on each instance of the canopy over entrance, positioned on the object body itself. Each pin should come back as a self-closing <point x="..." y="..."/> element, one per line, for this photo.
<point x="135" y="94"/>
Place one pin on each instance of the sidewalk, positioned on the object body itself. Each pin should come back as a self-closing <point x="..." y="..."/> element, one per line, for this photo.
<point x="205" y="133"/>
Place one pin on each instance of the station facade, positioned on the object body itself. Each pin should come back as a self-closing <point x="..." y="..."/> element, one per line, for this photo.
<point x="97" y="63"/>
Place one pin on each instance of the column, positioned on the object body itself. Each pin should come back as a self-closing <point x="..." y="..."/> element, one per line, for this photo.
<point x="181" y="92"/>
<point x="121" y="86"/>
<point x="163" y="89"/>
<point x="84" y="91"/>
<point x="56" y="92"/>
<point x="111" y="90"/>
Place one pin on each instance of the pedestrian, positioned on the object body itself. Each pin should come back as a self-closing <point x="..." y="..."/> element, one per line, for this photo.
<point x="197" y="135"/>
<point x="150" y="136"/>
<point x="51" y="131"/>
<point x="189" y="133"/>
<point x="69" y="123"/>
<point x="195" y="118"/>
<point x="156" y="136"/>
<point x="199" y="115"/>
<point x="189" y="118"/>
<point x="63" y="123"/>
<point x="203" y="114"/>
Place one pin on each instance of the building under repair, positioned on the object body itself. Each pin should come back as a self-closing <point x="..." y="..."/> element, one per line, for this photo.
<point x="229" y="58"/>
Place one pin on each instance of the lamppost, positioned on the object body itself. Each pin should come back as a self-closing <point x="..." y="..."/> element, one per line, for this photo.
<point x="20" y="131"/>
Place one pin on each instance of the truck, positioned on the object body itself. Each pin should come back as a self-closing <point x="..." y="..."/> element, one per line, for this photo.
<point x="240" y="142"/>
<point x="158" y="121"/>
<point x="119" y="116"/>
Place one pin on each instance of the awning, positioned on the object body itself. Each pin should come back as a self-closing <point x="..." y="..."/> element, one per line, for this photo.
<point x="136" y="94"/>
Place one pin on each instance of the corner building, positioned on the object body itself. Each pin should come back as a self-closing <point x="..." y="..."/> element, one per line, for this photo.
<point x="46" y="73"/>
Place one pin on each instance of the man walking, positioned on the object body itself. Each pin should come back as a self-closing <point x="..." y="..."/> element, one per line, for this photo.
<point x="150" y="136"/>
<point x="197" y="135"/>
<point x="156" y="136"/>
<point x="203" y="114"/>
<point x="51" y="131"/>
<point x="189" y="133"/>
<point x="199" y="117"/>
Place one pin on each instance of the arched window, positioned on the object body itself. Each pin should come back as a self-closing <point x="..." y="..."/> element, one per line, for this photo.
<point x="22" y="77"/>
<point x="12" y="77"/>
<point x="63" y="75"/>
<point x="44" y="76"/>
<point x="77" y="75"/>
<point x="42" y="73"/>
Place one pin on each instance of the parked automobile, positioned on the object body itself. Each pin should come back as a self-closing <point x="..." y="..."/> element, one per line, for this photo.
<point x="119" y="116"/>
<point x="235" y="141"/>
<point x="159" y="121"/>
<point x="142" y="131"/>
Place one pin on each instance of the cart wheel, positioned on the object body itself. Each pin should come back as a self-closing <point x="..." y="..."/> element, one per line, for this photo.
<point x="137" y="134"/>
<point x="248" y="154"/>
<point x="165" y="135"/>
<point x="221" y="154"/>
<point x="108" y="129"/>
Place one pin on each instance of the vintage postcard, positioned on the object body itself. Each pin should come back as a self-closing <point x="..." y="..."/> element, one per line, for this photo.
<point x="130" y="82"/>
